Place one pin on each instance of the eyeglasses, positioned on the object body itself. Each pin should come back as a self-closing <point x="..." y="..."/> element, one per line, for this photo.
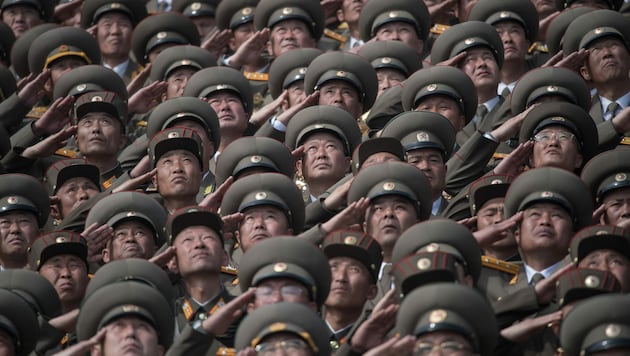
<point x="290" y="347"/>
<point x="288" y="291"/>
<point x="545" y="137"/>
<point x="447" y="348"/>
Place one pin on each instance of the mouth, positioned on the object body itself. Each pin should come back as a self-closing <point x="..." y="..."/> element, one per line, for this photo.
<point x="17" y="241"/>
<point x="66" y="286"/>
<point x="179" y="179"/>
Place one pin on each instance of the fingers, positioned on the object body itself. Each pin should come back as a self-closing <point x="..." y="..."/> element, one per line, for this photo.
<point x="164" y="257"/>
<point x="298" y="153"/>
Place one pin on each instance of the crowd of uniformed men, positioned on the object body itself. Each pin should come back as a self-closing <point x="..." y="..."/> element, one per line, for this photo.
<point x="306" y="177"/>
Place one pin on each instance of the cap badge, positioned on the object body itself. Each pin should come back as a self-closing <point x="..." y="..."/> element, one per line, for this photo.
<point x="431" y="87"/>
<point x="255" y="159"/>
<point x="389" y="186"/>
<point x="173" y="134"/>
<point x="422" y="136"/>
<point x="246" y="11"/>
<point x="60" y="239"/>
<point x="350" y="240"/>
<point x="63" y="48"/>
<point x="552" y="88"/>
<point x="496" y="181"/>
<point x="591" y="281"/>
<point x="423" y="264"/>
<point x="546" y="194"/>
<point x="275" y="327"/>
<point x="613" y="330"/>
<point x="115" y="5"/>
<point x="130" y="308"/>
<point x="287" y="10"/>
<point x="598" y="30"/>
<point x="302" y="70"/>
<point x="12" y="200"/>
<point x="195" y="6"/>
<point x="341" y="74"/>
<point x="437" y="316"/>
<point x="280" y="267"/>
<point x="260" y="195"/>
<point x="81" y="87"/>
<point x="186" y="62"/>
<point x="469" y="41"/>
<point x="386" y="60"/>
<point x="97" y="98"/>
<point x="393" y="14"/>
<point x="504" y="14"/>
<point x="161" y="35"/>
<point x="620" y="177"/>
<point x="131" y="213"/>
<point x="432" y="247"/>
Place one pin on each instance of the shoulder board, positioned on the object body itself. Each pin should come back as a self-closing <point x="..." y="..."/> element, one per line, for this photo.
<point x="438" y="28"/>
<point x="498" y="155"/>
<point x="37" y="112"/>
<point x="226" y="351"/>
<point x="343" y="26"/>
<point x="108" y="183"/>
<point x="229" y="270"/>
<point x="141" y="123"/>
<point x="255" y="76"/>
<point x="136" y="72"/>
<point x="334" y="35"/>
<point x="538" y="47"/>
<point x="625" y="141"/>
<point x="235" y="282"/>
<point x="66" y="153"/>
<point x="500" y="265"/>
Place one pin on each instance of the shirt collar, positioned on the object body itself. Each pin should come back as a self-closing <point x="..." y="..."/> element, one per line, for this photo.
<point x="545" y="272"/>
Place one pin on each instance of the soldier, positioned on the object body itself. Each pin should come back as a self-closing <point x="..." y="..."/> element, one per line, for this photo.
<point x="19" y="50"/>
<point x="19" y="330"/>
<point x="202" y="13"/>
<point x="287" y="72"/>
<point x="393" y="62"/>
<point x="558" y="26"/>
<point x="349" y="14"/>
<point x="22" y="15"/>
<point x="597" y="4"/>
<point x="238" y="17"/>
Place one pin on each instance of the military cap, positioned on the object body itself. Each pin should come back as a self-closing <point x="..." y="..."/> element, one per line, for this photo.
<point x="285" y="318"/>
<point x="92" y="10"/>
<point x="7" y="38"/>
<point x="89" y="78"/>
<point x="487" y="188"/>
<point x="377" y="13"/>
<point x="595" y="25"/>
<point x="175" y="138"/>
<point x="62" y="42"/>
<point x="132" y="269"/>
<point x="63" y="170"/>
<point x="170" y="112"/>
<point x="8" y="85"/>
<point x="570" y="116"/>
<point x="288" y="68"/>
<point x="522" y="12"/>
<point x="34" y="289"/>
<point x="422" y="129"/>
<point x="376" y="145"/>
<point x="392" y="55"/>
<point x="126" y="298"/>
<point x="211" y="80"/>
<point x="22" y="45"/>
<point x="271" y="12"/>
<point x="192" y="216"/>
<point x="441" y="80"/>
<point x="231" y="14"/>
<point x="287" y="257"/>
<point x="394" y="178"/>
<point x="19" y="321"/>
<point x="599" y="237"/>
<point x="266" y="189"/>
<point x="56" y="243"/>
<point x="187" y="56"/>
<point x="423" y="268"/>
<point x="347" y="67"/>
<point x="24" y="192"/>
<point x="45" y="8"/>
<point x="355" y="244"/>
<point x="580" y="283"/>
<point x="612" y="4"/>
<point x="608" y="171"/>
<point x="440" y="235"/>
<point x="196" y="8"/>
<point x="164" y="28"/>
<point x="550" y="81"/>
<point x="251" y="152"/>
<point x="102" y="101"/>
<point x="118" y="207"/>
<point x="558" y="26"/>
<point x="464" y="36"/>
<point x="323" y="118"/>
<point x="452" y="308"/>
<point x="597" y="324"/>
<point x="551" y="185"/>
<point x="386" y="106"/>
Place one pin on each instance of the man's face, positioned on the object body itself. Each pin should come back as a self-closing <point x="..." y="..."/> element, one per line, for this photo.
<point x="388" y="78"/>
<point x="431" y="163"/>
<point x="69" y="275"/>
<point x="230" y="110"/>
<point x="129" y="335"/>
<point x="324" y="158"/>
<point x="62" y="66"/>
<point x="177" y="82"/>
<point x="515" y="43"/>
<point x="379" y="157"/>
<point x="199" y="250"/>
<point x="204" y="24"/>
<point x="18" y="230"/>
<point x="400" y="31"/>
<point x="99" y="135"/>
<point x="178" y="174"/>
<point x="556" y="147"/>
<point x="73" y="192"/>
<point x="492" y="213"/>
<point x="283" y="343"/>
<point x="388" y="217"/>
<point x="351" y="284"/>
<point x="481" y="67"/>
<point x="342" y="95"/>
<point x="596" y="4"/>
<point x="611" y="261"/>
<point x="21" y="18"/>
<point x="296" y="93"/>
<point x="113" y="33"/>
<point x="276" y="290"/>
<point x="206" y="141"/>
<point x="445" y="106"/>
<point x="545" y="227"/>
<point x="287" y="35"/>
<point x="350" y="11"/>
<point x="608" y="60"/>
<point x="132" y="239"/>
<point x="617" y="205"/>
<point x="448" y="342"/>
<point x="240" y="34"/>
<point x="262" y="222"/>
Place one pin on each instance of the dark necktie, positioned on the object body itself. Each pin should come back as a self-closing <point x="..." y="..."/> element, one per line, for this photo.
<point x="482" y="111"/>
<point x="613" y="109"/>
<point x="537" y="278"/>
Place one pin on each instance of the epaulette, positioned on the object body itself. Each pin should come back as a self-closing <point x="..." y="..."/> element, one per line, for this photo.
<point x="335" y="36"/>
<point x="141" y="123"/>
<point x="136" y="72"/>
<point x="255" y="76"/>
<point x="208" y="189"/>
<point x="226" y="351"/>
<point x="502" y="266"/>
<point x="438" y="28"/>
<point x="37" y="112"/>
<point x="625" y="141"/>
<point x="498" y="155"/>
<point x="229" y="270"/>
<point x="538" y="47"/>
<point x="66" y="153"/>
<point x="108" y="183"/>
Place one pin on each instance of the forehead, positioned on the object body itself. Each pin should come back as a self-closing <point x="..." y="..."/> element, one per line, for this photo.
<point x="424" y="153"/>
<point x="555" y="128"/>
<point x="133" y="223"/>
<point x="390" y="199"/>
<point x="263" y="209"/>
<point x="508" y="24"/>
<point x="176" y="153"/>
<point x="64" y="257"/>
<point x="321" y="136"/>
<point x="604" y="253"/>
<point x="337" y="84"/>
<point x="98" y="115"/>
<point x="198" y="230"/>
<point x="289" y="23"/>
<point x="441" y="336"/>
<point x="113" y="16"/>
<point x="493" y="203"/>
<point x="437" y="99"/>
<point x="606" y="40"/>
<point x="278" y="282"/>
<point x="547" y="206"/>
<point x="623" y="193"/>
<point x="396" y="25"/>
<point x="182" y="71"/>
<point x="77" y="180"/>
<point x="18" y="214"/>
<point x="224" y="95"/>
<point x="346" y="260"/>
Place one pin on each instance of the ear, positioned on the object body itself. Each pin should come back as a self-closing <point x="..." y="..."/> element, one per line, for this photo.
<point x="55" y="211"/>
<point x="96" y="350"/>
<point x="298" y="168"/>
<point x="348" y="164"/>
<point x="578" y="161"/>
<point x="105" y="255"/>
<point x="224" y="258"/>
<point x="232" y="43"/>
<point x="154" y="180"/>
<point x="585" y="72"/>
<point x="372" y="291"/>
<point x="48" y="87"/>
<point x="340" y="16"/>
<point x="123" y="141"/>
<point x="270" y="47"/>
<point x="517" y="236"/>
